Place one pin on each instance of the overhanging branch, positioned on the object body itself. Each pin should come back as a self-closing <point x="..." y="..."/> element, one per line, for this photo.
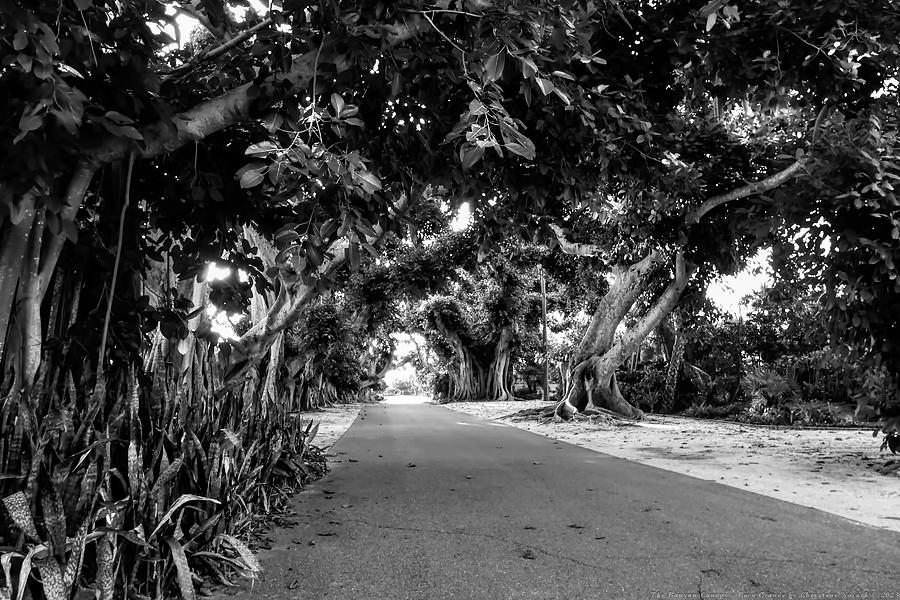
<point x="751" y="189"/>
<point x="759" y="187"/>
<point x="215" y="114"/>
<point x="570" y="247"/>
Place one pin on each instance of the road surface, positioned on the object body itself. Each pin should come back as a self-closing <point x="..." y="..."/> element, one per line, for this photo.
<point x="427" y="503"/>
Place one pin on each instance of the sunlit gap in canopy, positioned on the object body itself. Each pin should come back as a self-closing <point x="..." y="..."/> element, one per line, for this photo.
<point x="730" y="293"/>
<point x="221" y="322"/>
<point x="463" y="218"/>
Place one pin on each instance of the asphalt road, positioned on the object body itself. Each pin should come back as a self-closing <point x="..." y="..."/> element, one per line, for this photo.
<point x="427" y="503"/>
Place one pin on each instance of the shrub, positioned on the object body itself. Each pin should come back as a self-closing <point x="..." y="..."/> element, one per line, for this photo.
<point x="644" y="386"/>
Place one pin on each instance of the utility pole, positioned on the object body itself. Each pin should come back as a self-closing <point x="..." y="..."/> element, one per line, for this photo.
<point x="544" y="317"/>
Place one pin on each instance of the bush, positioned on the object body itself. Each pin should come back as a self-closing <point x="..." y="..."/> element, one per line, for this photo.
<point x="727" y="411"/>
<point x="644" y="386"/>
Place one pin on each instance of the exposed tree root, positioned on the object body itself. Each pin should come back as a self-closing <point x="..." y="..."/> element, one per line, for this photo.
<point x="589" y="415"/>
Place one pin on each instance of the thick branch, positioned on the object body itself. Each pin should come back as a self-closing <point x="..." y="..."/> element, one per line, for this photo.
<point x="218" y="113"/>
<point x="290" y="304"/>
<point x="284" y="314"/>
<point x="751" y="189"/>
<point x="570" y="247"/>
<point x="661" y="308"/>
<point x="625" y="288"/>
<point x="759" y="187"/>
<point x="75" y="193"/>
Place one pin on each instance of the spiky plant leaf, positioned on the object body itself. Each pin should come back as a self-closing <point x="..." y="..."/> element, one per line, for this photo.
<point x="162" y="483"/>
<point x="246" y="555"/>
<point x="6" y="590"/>
<point x="185" y="580"/>
<point x="311" y="434"/>
<point x="17" y="506"/>
<point x="54" y="522"/>
<point x="52" y="579"/>
<point x="73" y="565"/>
<point x="105" y="562"/>
<point x="182" y="500"/>
<point x="25" y="570"/>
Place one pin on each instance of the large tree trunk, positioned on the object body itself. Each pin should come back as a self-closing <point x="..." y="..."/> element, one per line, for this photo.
<point x="599" y="355"/>
<point x="627" y="285"/>
<point x="676" y="361"/>
<point x="499" y="370"/>
<point x="466" y="380"/>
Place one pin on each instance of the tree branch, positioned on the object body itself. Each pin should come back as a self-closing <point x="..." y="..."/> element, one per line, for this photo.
<point x="449" y="41"/>
<point x="217" y="113"/>
<point x="193" y="11"/>
<point x="751" y="189"/>
<point x="216" y="52"/>
<point x="75" y="193"/>
<point x="661" y="308"/>
<point x="570" y="247"/>
<point x="758" y="187"/>
<point x="441" y="10"/>
<point x="258" y="339"/>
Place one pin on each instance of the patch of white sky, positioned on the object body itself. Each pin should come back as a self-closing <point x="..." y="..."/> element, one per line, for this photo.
<point x="731" y="293"/>
<point x="186" y="24"/>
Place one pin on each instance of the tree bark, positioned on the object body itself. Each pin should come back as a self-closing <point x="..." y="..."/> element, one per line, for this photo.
<point x="77" y="189"/>
<point x="628" y="284"/>
<point x="12" y="258"/>
<point x="675" y="363"/>
<point x="598" y="339"/>
<point x="593" y="378"/>
<point x="497" y="387"/>
<point x="29" y="307"/>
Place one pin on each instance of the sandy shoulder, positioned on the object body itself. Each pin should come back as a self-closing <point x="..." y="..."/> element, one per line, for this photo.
<point x="831" y="470"/>
<point x="333" y="423"/>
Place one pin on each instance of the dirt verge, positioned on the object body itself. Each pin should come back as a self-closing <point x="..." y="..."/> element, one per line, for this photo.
<point x="833" y="470"/>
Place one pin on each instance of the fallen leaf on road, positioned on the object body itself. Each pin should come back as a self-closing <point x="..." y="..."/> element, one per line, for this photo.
<point x="529" y="554"/>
